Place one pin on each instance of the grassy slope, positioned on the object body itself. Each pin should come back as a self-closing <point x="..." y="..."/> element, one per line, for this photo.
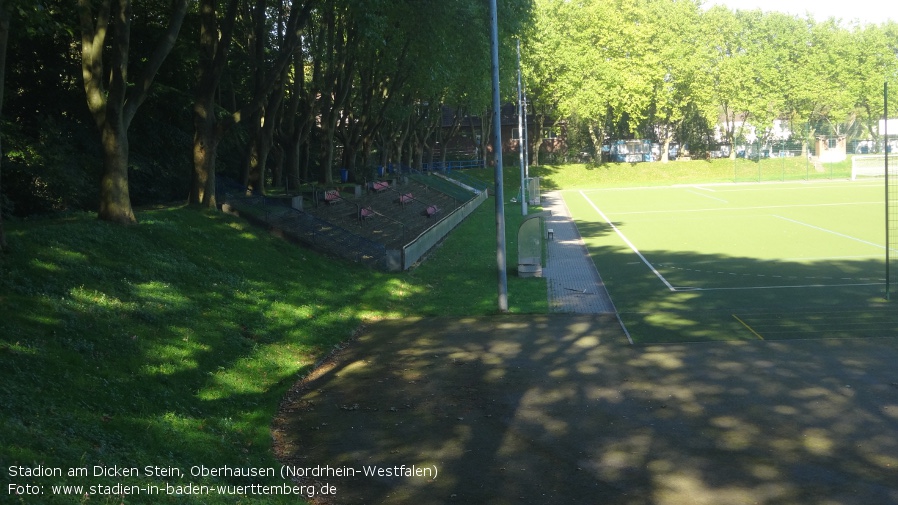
<point x="172" y="342"/>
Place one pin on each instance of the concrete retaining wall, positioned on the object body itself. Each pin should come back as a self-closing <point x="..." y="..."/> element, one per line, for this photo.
<point x="417" y="248"/>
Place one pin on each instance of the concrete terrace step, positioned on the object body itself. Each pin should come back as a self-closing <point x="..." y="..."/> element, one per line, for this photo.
<point x="393" y="224"/>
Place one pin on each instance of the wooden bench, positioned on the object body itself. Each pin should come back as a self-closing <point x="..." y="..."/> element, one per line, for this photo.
<point x="332" y="196"/>
<point x="431" y="210"/>
<point x="406" y="199"/>
<point x="379" y="186"/>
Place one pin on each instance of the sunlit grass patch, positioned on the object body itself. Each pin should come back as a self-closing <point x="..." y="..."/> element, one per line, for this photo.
<point x="175" y="329"/>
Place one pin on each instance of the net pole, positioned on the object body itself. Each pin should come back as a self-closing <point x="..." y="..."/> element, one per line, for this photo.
<point x="885" y="99"/>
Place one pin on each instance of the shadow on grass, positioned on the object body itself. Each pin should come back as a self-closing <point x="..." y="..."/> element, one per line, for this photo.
<point x="172" y="343"/>
<point x="164" y="344"/>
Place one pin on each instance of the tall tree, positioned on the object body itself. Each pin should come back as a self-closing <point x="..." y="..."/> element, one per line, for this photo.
<point x="676" y="65"/>
<point x="216" y="39"/>
<point x="592" y="52"/>
<point x="336" y="40"/>
<point x="873" y="49"/>
<point x="297" y="121"/>
<point x="4" y="40"/>
<point x="263" y="122"/>
<point x="743" y="77"/>
<point x="832" y="70"/>
<point x="113" y="100"/>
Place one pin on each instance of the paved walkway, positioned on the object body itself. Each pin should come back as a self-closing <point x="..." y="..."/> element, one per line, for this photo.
<point x="574" y="284"/>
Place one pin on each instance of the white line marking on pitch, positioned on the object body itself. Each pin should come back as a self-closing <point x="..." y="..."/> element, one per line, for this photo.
<point x="761" y="207"/>
<point x="798" y="286"/>
<point x="629" y="244"/>
<point x="708" y="196"/>
<point x="880" y="246"/>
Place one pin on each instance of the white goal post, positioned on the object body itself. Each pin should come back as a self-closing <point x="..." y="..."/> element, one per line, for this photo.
<point x="873" y="165"/>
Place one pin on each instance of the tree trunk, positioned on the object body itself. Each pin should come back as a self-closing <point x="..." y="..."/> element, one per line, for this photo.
<point x="295" y="124"/>
<point x="111" y="98"/>
<point x="277" y="166"/>
<point x="258" y="163"/>
<point x="205" y="146"/>
<point x="597" y="135"/>
<point x="115" y="198"/>
<point x="536" y="140"/>
<point x="485" y="136"/>
<point x="291" y="163"/>
<point x="250" y="152"/>
<point x="665" y="148"/>
<point x="264" y="139"/>
<point x="327" y="157"/>
<point x="418" y="153"/>
<point x="400" y="144"/>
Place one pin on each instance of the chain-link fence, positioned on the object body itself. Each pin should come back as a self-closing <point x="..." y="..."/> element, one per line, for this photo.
<point x="827" y="158"/>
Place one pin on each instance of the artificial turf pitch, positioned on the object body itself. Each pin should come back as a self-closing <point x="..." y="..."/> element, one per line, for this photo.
<point x="765" y="261"/>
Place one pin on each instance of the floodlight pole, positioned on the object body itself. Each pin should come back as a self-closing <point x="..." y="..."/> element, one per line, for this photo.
<point x="522" y="147"/>
<point x="497" y="146"/>
<point x="885" y="100"/>
<point x="526" y="132"/>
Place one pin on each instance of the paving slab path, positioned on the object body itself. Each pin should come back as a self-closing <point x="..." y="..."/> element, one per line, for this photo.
<point x="574" y="285"/>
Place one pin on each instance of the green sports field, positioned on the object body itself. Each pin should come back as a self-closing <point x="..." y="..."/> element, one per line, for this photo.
<point x="742" y="261"/>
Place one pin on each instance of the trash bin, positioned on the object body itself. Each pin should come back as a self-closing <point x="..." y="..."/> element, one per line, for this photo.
<point x="344" y="175"/>
<point x="380" y="171"/>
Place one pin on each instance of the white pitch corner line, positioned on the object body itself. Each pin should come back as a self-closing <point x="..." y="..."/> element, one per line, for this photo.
<point x="629" y="244"/>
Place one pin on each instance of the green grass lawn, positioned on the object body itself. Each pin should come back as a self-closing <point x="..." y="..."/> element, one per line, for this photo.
<point x="171" y="343"/>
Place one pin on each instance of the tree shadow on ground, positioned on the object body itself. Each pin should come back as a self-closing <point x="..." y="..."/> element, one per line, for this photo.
<point x="558" y="409"/>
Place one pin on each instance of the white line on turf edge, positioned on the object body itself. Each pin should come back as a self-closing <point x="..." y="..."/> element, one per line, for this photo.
<point x="629" y="244"/>
<point x="623" y="327"/>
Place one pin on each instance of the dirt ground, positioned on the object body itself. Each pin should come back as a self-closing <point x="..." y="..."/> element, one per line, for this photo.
<point x="558" y="409"/>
